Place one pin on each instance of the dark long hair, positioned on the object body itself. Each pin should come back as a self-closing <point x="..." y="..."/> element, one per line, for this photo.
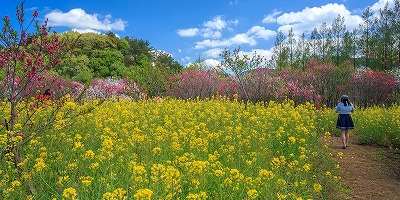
<point x="346" y="102"/>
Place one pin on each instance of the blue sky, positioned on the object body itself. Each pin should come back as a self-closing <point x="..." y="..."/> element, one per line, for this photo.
<point x="189" y="29"/>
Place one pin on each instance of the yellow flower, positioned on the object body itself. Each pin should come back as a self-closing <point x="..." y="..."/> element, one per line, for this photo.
<point x="108" y="195"/>
<point x="119" y="193"/>
<point x="15" y="183"/>
<point x="340" y="154"/>
<point x="89" y="155"/>
<point x="252" y="194"/>
<point x="200" y="196"/>
<point x="328" y="173"/>
<point x="197" y="167"/>
<point x="72" y="166"/>
<point x="265" y="174"/>
<point x="69" y="193"/>
<point x="317" y="187"/>
<point x="292" y="139"/>
<point x="218" y="172"/>
<point x="307" y="167"/>
<point x="86" y="180"/>
<point x="275" y="163"/>
<point x="143" y="194"/>
<point x="156" y="150"/>
<point x="40" y="165"/>
<point x="94" y="165"/>
<point x="70" y="105"/>
<point x="77" y="145"/>
<point x="107" y="143"/>
<point x="281" y="182"/>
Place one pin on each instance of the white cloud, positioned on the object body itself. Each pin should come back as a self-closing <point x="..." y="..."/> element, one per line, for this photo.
<point x="211" y="29"/>
<point x="207" y="64"/>
<point x="261" y="32"/>
<point x="266" y="53"/>
<point x="217" y="23"/>
<point x="213" y="53"/>
<point x="77" y="18"/>
<point x="248" y="38"/>
<point x="380" y="5"/>
<point x="188" y="32"/>
<point x="242" y="39"/>
<point x="309" y="18"/>
<point x="211" y="33"/>
<point x="208" y="43"/>
<point x="238" y="39"/>
<point x="233" y="2"/>
<point x="211" y="63"/>
<point x="85" y="31"/>
<point x="271" y="18"/>
<point x="186" y="59"/>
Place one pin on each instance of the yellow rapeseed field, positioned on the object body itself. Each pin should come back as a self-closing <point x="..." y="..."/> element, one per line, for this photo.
<point x="174" y="149"/>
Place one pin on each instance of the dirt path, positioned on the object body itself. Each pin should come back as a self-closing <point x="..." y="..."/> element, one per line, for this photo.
<point x="369" y="172"/>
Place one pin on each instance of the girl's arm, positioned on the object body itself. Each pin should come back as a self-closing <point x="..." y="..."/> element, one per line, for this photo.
<point x="337" y="108"/>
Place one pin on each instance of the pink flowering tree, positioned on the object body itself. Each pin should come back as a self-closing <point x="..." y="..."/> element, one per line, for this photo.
<point x="241" y="66"/>
<point x="25" y="60"/>
<point x="265" y="86"/>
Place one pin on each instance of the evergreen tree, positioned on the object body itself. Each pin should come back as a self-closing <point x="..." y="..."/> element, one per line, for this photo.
<point x="366" y="30"/>
<point x="280" y="51"/>
<point x="337" y="31"/>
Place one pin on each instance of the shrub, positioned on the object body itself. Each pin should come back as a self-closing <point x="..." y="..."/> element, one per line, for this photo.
<point x="113" y="88"/>
<point x="369" y="88"/>
<point x="201" y="84"/>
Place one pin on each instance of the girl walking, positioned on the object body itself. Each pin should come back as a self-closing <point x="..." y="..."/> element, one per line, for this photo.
<point x="344" y="121"/>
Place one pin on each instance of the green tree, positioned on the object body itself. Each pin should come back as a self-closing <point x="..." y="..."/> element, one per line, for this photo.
<point x="281" y="52"/>
<point x="291" y="42"/>
<point x="302" y="52"/>
<point x="325" y="40"/>
<point x="75" y="68"/>
<point x="137" y="47"/>
<point x="348" y="47"/>
<point x="152" y="79"/>
<point x="166" y="62"/>
<point x="337" y="31"/>
<point x="385" y="49"/>
<point x="396" y="29"/>
<point x="106" y="63"/>
<point x="315" y="43"/>
<point x="366" y="29"/>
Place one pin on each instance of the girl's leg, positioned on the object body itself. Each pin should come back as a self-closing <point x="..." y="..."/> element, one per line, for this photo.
<point x="343" y="136"/>
<point x="346" y="133"/>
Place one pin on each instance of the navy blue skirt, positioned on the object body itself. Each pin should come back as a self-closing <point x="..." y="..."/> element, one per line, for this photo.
<point x="344" y="122"/>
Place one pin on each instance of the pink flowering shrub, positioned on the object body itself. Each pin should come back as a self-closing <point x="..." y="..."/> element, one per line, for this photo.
<point x="369" y="87"/>
<point x="298" y="86"/>
<point x="320" y="84"/>
<point x="59" y="87"/>
<point x="329" y="81"/>
<point x="264" y="86"/>
<point x="227" y="88"/>
<point x="199" y="84"/>
<point x="301" y="93"/>
<point x="113" y="88"/>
